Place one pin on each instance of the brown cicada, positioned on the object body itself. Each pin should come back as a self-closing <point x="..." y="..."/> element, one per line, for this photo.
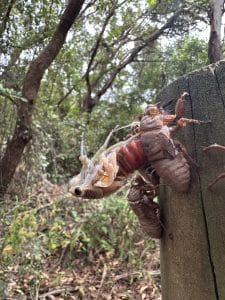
<point x="152" y="152"/>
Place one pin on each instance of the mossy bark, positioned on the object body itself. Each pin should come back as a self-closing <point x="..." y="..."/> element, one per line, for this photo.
<point x="193" y="244"/>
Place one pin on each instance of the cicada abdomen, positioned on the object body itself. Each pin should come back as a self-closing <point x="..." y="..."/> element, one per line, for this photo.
<point x="131" y="156"/>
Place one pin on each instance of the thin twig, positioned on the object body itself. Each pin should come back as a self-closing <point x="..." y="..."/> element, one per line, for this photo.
<point x="62" y="256"/>
<point x="66" y="95"/>
<point x="8" y="97"/>
<point x="104" y="273"/>
<point x="125" y="275"/>
<point x="6" y="17"/>
<point x="57" y="291"/>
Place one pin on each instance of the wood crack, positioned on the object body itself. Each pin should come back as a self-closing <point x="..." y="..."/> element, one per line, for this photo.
<point x="202" y="204"/>
<point x="219" y="88"/>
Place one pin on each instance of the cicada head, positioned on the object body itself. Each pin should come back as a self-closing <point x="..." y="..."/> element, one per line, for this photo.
<point x="97" y="177"/>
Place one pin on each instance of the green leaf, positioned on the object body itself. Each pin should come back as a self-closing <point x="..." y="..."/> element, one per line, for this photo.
<point x="152" y="3"/>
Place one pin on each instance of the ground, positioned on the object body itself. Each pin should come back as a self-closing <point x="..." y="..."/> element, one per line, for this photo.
<point x="53" y="248"/>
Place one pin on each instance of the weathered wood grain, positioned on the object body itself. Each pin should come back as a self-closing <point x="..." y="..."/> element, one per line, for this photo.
<point x="193" y="245"/>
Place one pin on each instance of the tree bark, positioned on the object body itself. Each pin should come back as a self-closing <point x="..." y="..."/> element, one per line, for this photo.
<point x="193" y="247"/>
<point x="215" y="19"/>
<point x="32" y="81"/>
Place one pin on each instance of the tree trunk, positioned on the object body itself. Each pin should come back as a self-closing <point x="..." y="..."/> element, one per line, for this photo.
<point x="215" y="19"/>
<point x="32" y="81"/>
<point x="193" y="245"/>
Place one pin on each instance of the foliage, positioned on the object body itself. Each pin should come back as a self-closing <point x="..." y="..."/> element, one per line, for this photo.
<point x="170" y="62"/>
<point x="82" y="69"/>
<point x="188" y="55"/>
<point x="73" y="233"/>
<point x="108" y="227"/>
<point x="60" y="128"/>
<point x="40" y="233"/>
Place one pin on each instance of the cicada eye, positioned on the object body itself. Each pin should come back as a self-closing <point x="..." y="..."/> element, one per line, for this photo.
<point x="77" y="191"/>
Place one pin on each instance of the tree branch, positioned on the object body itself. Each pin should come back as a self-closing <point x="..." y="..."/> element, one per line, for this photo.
<point x="6" y="17"/>
<point x="65" y="96"/>
<point x="32" y="81"/>
<point x="133" y="54"/>
<point x="97" y="44"/>
<point x="88" y="102"/>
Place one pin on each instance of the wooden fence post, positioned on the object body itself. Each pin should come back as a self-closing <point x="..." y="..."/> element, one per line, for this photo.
<point x="193" y="245"/>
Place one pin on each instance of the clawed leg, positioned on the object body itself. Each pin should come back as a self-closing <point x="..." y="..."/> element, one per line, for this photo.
<point x="220" y="176"/>
<point x="214" y="147"/>
<point x="185" y="121"/>
<point x="182" y="122"/>
<point x="180" y="105"/>
<point x="220" y="148"/>
<point x="178" y="117"/>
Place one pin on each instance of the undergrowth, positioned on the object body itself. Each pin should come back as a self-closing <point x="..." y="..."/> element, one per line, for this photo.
<point x="44" y="241"/>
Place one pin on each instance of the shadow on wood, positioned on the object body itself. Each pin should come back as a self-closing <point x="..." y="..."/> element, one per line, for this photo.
<point x="193" y="245"/>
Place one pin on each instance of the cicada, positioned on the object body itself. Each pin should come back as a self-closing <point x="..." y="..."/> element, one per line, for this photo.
<point x="151" y="147"/>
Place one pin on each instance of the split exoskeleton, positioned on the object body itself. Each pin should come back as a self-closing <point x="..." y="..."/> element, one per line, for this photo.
<point x="152" y="152"/>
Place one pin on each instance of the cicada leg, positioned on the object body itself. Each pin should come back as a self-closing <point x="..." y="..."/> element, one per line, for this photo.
<point x="222" y="175"/>
<point x="140" y="199"/>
